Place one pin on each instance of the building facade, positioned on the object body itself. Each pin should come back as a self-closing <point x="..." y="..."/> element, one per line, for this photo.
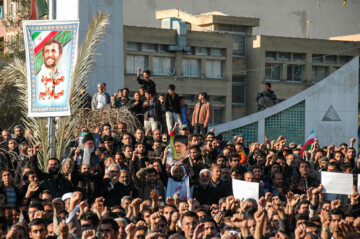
<point x="228" y="62"/>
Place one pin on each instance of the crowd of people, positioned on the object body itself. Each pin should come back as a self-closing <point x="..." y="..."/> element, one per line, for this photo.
<point x="118" y="187"/>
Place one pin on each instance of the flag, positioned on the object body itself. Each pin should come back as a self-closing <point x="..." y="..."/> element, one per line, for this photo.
<point x="309" y="141"/>
<point x="39" y="8"/>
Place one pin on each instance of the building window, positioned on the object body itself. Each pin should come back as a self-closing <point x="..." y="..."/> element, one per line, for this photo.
<point x="344" y="59"/>
<point x="299" y="56"/>
<point x="295" y="73"/>
<point x="284" y="56"/>
<point x="239" y="44"/>
<point x="162" y="48"/>
<point x="133" y="62"/>
<point x="148" y="47"/>
<point x="238" y="90"/>
<point x="319" y="73"/>
<point x="214" y="69"/>
<point x="163" y="66"/>
<point x="217" y="52"/>
<point x="191" y="67"/>
<point x="270" y="55"/>
<point x="330" y="59"/>
<point x="317" y="58"/>
<point x="201" y="51"/>
<point x="217" y="116"/>
<point x="132" y="46"/>
<point x="273" y="72"/>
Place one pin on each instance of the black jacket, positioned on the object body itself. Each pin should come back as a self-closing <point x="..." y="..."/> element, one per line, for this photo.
<point x="173" y="104"/>
<point x="157" y="110"/>
<point x="148" y="85"/>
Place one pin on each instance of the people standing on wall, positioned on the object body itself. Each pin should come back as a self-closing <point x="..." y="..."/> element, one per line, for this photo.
<point x="201" y="115"/>
<point x="185" y="113"/>
<point x="147" y="83"/>
<point x="172" y="105"/>
<point x="100" y="99"/>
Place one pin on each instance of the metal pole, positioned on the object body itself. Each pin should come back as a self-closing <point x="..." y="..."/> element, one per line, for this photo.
<point x="52" y="16"/>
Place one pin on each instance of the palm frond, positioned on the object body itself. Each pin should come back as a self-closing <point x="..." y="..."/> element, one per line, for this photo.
<point x="15" y="73"/>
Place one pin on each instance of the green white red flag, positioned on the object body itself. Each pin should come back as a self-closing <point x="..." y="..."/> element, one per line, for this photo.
<point x="309" y="141"/>
<point x="39" y="9"/>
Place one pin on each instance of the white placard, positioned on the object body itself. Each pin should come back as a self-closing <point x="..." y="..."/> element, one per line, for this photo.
<point x="338" y="183"/>
<point x="358" y="182"/>
<point x="243" y="189"/>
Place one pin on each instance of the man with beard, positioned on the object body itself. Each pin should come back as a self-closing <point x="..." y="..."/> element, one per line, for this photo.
<point x="178" y="183"/>
<point x="85" y="181"/>
<point x="277" y="187"/>
<point x="125" y="180"/>
<point x="20" y="134"/>
<point x="87" y="155"/>
<point x="53" y="180"/>
<point x="112" y="189"/>
<point x="204" y="192"/>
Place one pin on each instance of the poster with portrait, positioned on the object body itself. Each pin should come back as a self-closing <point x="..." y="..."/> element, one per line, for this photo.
<point x="51" y="53"/>
<point x="87" y="154"/>
<point x="177" y="149"/>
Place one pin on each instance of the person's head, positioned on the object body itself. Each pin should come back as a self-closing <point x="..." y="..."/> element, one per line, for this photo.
<point x="37" y="229"/>
<point x="304" y="169"/>
<point x="121" y="128"/>
<point x="169" y="209"/>
<point x="235" y="160"/>
<point x="157" y="135"/>
<point x="151" y="175"/>
<point x="350" y="153"/>
<point x="124" y="177"/>
<point x="277" y="179"/>
<point x="303" y="207"/>
<point x="127" y="151"/>
<point x="194" y="152"/>
<point x="125" y="201"/>
<point x="210" y="227"/>
<point x="257" y="170"/>
<point x="139" y="134"/>
<point x="109" y="229"/>
<point x="204" y="177"/>
<point x="171" y="89"/>
<point x="249" y="177"/>
<point x="339" y="156"/>
<point x="149" y="95"/>
<point x="333" y="167"/>
<point x="7" y="177"/>
<point x="182" y="101"/>
<point x="100" y="88"/>
<point x="146" y="74"/>
<point x="177" y="172"/>
<point x="202" y="96"/>
<point x="12" y="144"/>
<point x="215" y="172"/>
<point x="31" y="177"/>
<point x="336" y="215"/>
<point x="6" y="134"/>
<point x="19" y="130"/>
<point x="313" y="229"/>
<point x="106" y="129"/>
<point x="126" y="139"/>
<point x="221" y="161"/>
<point x="189" y="220"/>
<point x="236" y="173"/>
<point x="119" y="158"/>
<point x="180" y="150"/>
<point x="301" y="219"/>
<point x="89" y="221"/>
<point x="52" y="52"/>
<point x="114" y="170"/>
<point x="267" y="86"/>
<point x="225" y="174"/>
<point x="53" y="166"/>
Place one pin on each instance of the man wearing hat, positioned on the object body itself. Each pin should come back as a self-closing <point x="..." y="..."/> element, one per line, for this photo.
<point x="87" y="154"/>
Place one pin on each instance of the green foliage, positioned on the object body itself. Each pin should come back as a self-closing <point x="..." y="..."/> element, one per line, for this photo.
<point x="9" y="106"/>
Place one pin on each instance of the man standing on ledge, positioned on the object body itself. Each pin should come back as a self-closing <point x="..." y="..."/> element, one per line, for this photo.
<point x="148" y="84"/>
<point x="202" y="115"/>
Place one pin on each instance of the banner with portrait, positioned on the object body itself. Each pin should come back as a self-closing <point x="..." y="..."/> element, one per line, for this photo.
<point x="51" y="53"/>
<point x="87" y="155"/>
<point x="177" y="150"/>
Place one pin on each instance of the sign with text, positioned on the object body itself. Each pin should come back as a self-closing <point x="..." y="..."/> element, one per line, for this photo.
<point x="51" y="51"/>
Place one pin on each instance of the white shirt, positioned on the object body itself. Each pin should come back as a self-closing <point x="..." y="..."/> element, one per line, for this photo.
<point x="101" y="101"/>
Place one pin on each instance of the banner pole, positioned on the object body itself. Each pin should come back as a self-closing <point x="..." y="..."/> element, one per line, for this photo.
<point x="52" y="16"/>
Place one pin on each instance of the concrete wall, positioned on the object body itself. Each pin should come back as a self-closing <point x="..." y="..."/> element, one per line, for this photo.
<point x="277" y="17"/>
<point x="109" y="64"/>
<point x="337" y="93"/>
